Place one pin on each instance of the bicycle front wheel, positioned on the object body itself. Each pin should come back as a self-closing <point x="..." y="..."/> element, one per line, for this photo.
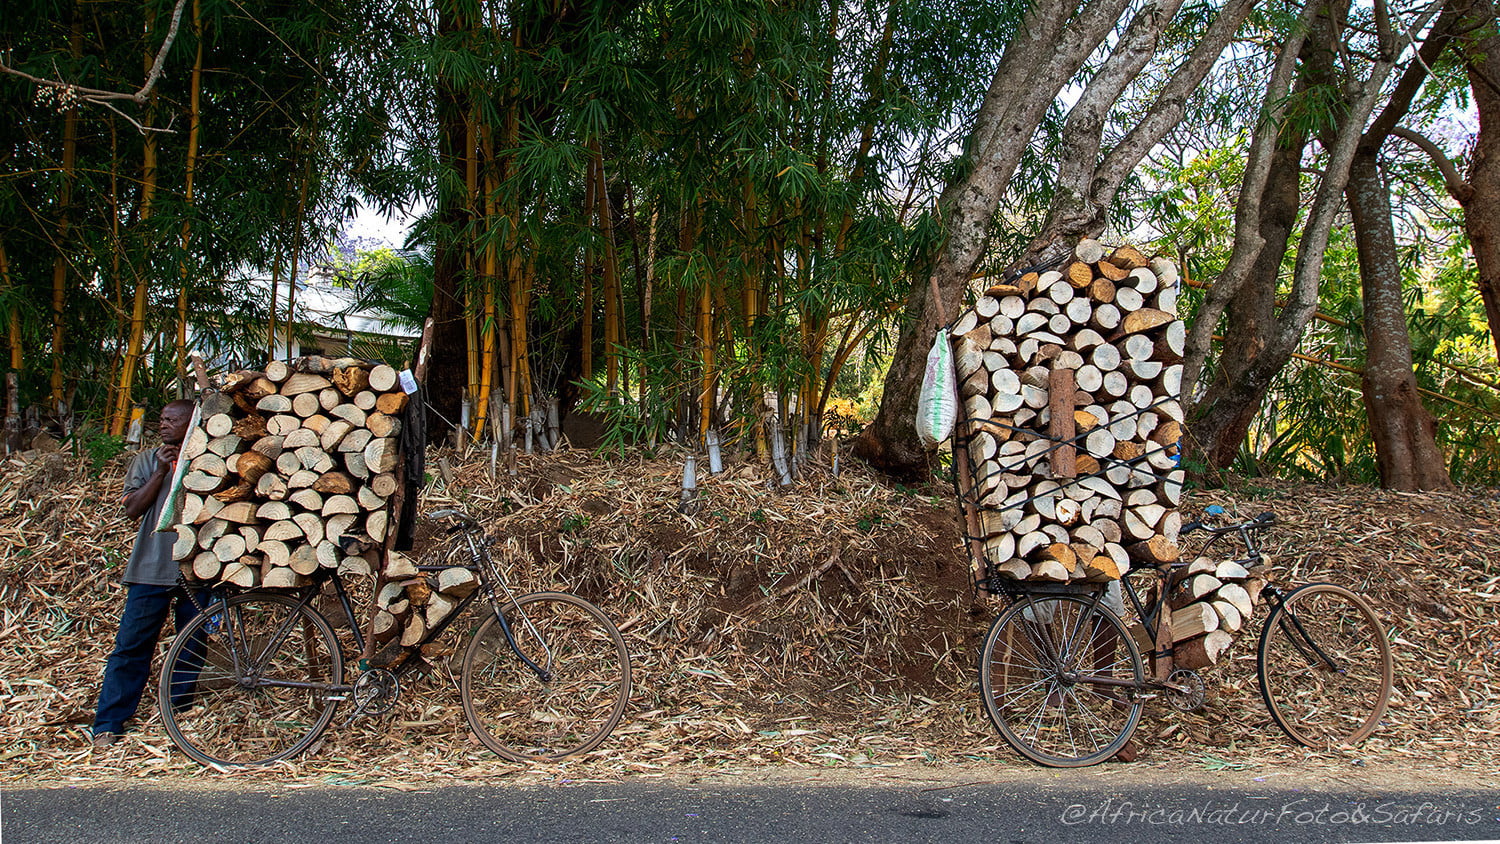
<point x="250" y="680"/>
<point x="569" y="709"/>
<point x="1325" y="666"/>
<point x="1059" y="676"/>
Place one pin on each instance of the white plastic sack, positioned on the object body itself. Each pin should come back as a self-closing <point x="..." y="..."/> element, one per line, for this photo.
<point x="937" y="403"/>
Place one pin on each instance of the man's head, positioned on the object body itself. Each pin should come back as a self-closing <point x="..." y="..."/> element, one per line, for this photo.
<point x="174" y="421"/>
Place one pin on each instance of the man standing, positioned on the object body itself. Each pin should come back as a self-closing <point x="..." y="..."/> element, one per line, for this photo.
<point x="150" y="580"/>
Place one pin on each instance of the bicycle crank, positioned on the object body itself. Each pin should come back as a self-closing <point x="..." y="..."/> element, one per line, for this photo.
<point x="1186" y="690"/>
<point x="375" y="693"/>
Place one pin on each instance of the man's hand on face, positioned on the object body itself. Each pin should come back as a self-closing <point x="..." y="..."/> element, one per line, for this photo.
<point x="167" y="453"/>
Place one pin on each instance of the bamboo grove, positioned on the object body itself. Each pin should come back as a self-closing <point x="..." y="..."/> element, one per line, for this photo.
<point x="693" y="216"/>
<point x="722" y="197"/>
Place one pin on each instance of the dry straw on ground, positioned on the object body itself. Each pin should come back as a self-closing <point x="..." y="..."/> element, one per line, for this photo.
<point x="829" y="625"/>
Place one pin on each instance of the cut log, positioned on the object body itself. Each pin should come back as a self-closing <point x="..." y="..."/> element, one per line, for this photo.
<point x="382" y="378"/>
<point x="334" y="482"/>
<point x="337" y="527"/>
<point x="350" y="380"/>
<point x="336" y="504"/>
<point x="439" y="606"/>
<point x="274" y="403"/>
<point x="309" y="499"/>
<point x="282" y="530"/>
<point x="376" y="525"/>
<point x="304" y="559"/>
<point x="230" y="546"/>
<point x="306" y="404"/>
<point x="282" y="424"/>
<point x="303" y="382"/>
<point x="334" y="434"/>
<point x="312" y="526"/>
<point x="242" y="574"/>
<point x="282" y="577"/>
<point x="1144" y="319"/>
<point x="416" y="630"/>
<point x="391" y="403"/>
<point x="300" y="438"/>
<point x="1201" y="651"/>
<point x="1156" y="551"/>
<point x="207" y="567"/>
<point x="275" y="551"/>
<point x="349" y="413"/>
<point x="355" y="440"/>
<point x="381" y="425"/>
<point x="1239" y="597"/>
<point x="273" y="511"/>
<point x="1193" y="620"/>
<point x="302" y="477"/>
<point x="315" y="459"/>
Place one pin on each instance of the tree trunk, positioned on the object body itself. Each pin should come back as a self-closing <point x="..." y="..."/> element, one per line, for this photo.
<point x="1218" y="419"/>
<point x="12" y="429"/>
<point x="1251" y="314"/>
<point x="1054" y="40"/>
<point x="64" y="222"/>
<point x="1400" y="426"/>
<point x="1481" y="202"/>
<point x="448" y="376"/>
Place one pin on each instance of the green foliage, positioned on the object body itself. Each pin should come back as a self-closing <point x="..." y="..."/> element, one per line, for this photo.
<point x="96" y="446"/>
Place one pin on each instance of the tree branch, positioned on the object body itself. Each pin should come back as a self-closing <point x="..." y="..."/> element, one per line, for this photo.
<point x="68" y="94"/>
<point x="1457" y="187"/>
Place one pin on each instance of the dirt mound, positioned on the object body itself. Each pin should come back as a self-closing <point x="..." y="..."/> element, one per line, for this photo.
<point x="831" y="624"/>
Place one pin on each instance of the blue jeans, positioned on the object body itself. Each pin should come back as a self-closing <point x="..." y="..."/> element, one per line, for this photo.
<point x="129" y="666"/>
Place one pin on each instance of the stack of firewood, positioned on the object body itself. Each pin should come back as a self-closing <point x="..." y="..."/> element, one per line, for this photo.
<point x="1212" y="603"/>
<point x="289" y="470"/>
<point x="1070" y="382"/>
<point x="411" y="603"/>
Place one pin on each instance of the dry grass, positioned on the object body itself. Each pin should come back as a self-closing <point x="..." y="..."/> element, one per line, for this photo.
<point x="831" y="625"/>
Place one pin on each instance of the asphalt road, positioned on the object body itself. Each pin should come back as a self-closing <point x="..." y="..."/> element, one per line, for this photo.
<point x="649" y="812"/>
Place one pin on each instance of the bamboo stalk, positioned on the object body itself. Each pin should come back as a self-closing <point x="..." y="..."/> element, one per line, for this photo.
<point x="134" y="340"/>
<point x="194" y="121"/>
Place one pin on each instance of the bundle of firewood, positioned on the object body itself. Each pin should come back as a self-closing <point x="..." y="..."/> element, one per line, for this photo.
<point x="1211" y="604"/>
<point x="410" y="603"/>
<point x="290" y="470"/>
<point x="1071" y="382"/>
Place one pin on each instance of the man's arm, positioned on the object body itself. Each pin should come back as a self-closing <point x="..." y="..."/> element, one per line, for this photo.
<point x="138" y="501"/>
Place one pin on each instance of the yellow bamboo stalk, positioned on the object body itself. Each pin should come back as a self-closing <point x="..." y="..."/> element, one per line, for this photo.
<point x="490" y="269"/>
<point x="471" y="262"/>
<point x="133" y="342"/>
<point x="194" y="120"/>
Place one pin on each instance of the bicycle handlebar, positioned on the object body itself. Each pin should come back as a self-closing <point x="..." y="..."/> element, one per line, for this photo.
<point x="1264" y="520"/>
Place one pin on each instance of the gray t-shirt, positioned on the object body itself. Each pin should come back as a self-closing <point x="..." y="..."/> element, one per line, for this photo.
<point x="151" y="558"/>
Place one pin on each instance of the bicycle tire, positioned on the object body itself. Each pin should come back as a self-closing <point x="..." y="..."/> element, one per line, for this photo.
<point x="250" y="680"/>
<point x="1315" y="703"/>
<point x="520" y="717"/>
<point x="1035" y="694"/>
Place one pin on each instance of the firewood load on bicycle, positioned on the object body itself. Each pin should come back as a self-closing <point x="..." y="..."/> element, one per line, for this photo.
<point x="1067" y="439"/>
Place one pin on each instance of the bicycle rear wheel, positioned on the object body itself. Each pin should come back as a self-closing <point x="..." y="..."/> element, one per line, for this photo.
<point x="1325" y="666"/>
<point x="250" y="681"/>
<point x="1059" y="675"/>
<point x="524" y="717"/>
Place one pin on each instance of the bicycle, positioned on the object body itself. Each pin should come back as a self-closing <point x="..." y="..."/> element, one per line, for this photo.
<point x="1064" y="680"/>
<point x="257" y="676"/>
